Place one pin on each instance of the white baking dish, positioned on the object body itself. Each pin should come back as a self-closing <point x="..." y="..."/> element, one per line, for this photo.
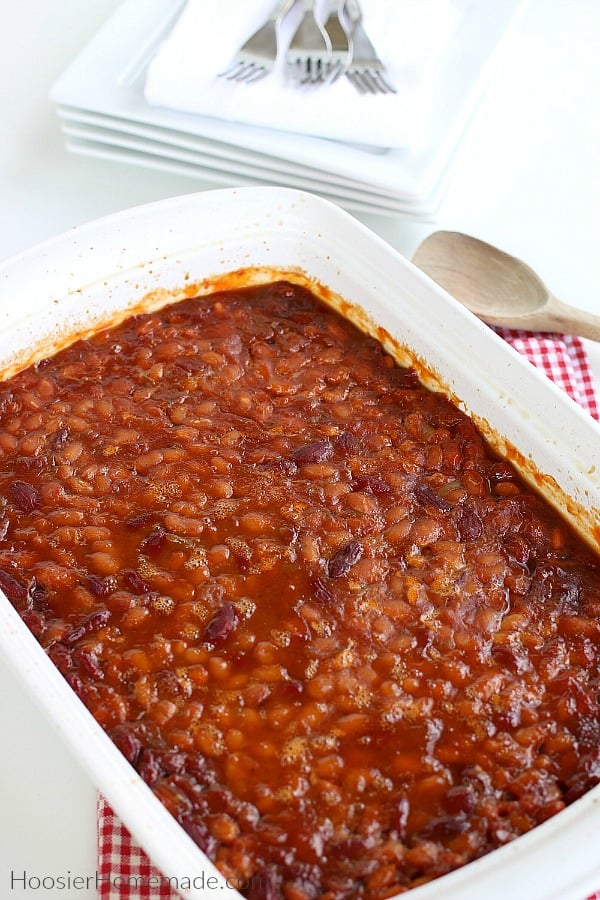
<point x="91" y="275"/>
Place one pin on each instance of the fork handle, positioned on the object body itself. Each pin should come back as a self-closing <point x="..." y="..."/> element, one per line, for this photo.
<point x="353" y="11"/>
<point x="281" y="10"/>
<point x="334" y="8"/>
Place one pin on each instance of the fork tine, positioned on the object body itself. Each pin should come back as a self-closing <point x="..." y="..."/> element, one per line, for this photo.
<point x="371" y="83"/>
<point x="309" y="51"/>
<point x="253" y="72"/>
<point x="236" y="72"/>
<point x="314" y="71"/>
<point x="257" y="56"/>
<point x="243" y="71"/>
<point x="385" y="86"/>
<point x="335" y="72"/>
<point x="303" y="73"/>
<point x="356" y="79"/>
<point x="230" y="71"/>
<point x="295" y="69"/>
<point x="365" y="71"/>
<point x="260" y="73"/>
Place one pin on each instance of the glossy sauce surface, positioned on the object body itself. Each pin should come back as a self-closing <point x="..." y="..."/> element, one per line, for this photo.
<point x="341" y="641"/>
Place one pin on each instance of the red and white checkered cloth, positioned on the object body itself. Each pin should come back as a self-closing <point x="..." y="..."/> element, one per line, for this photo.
<point x="125" y="872"/>
<point x="562" y="358"/>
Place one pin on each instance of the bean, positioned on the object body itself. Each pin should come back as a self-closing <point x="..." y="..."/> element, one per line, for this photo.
<point x="224" y="828"/>
<point x="148" y="461"/>
<point x="265" y="653"/>
<point x="12" y="587"/>
<point x="24" y="496"/>
<point x="426" y="531"/>
<point x="316" y="452"/>
<point x="319" y="472"/>
<point x="507" y="489"/>
<point x="221" y="626"/>
<point x="320" y="590"/>
<point x="218" y="668"/>
<point x="382" y="878"/>
<point x="365" y="504"/>
<point x="72" y="451"/>
<point x="353" y="724"/>
<point x="255" y="523"/>
<point x="104" y="563"/>
<point x="33" y="444"/>
<point x="112" y="711"/>
<point x="219" y="487"/>
<point x="90" y="624"/>
<point x="220" y="465"/>
<point x="371" y="484"/>
<point x="184" y="525"/>
<point x="469" y="524"/>
<point x="342" y="411"/>
<point x="369" y="571"/>
<point x="344" y="559"/>
<point x="8" y="441"/>
<point x="218" y="554"/>
<point x="155" y="541"/>
<point x="163" y="711"/>
<point x="310" y="548"/>
<point x="135" y="618"/>
<point x="399" y="532"/>
<point x="96" y="533"/>
<point x="320" y="687"/>
<point x="474" y="482"/>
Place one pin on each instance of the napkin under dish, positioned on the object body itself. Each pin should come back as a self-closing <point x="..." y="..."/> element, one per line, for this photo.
<point x="124" y="871"/>
<point x="563" y="358"/>
<point x="409" y="35"/>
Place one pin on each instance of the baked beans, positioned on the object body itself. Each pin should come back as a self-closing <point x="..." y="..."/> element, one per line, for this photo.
<point x="339" y="639"/>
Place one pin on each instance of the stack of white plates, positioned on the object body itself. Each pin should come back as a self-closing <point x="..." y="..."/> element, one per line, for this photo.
<point x="100" y="100"/>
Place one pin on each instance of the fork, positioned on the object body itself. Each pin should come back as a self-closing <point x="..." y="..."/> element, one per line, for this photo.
<point x="309" y="52"/>
<point x="341" y="41"/>
<point x="365" y="71"/>
<point x="257" y="56"/>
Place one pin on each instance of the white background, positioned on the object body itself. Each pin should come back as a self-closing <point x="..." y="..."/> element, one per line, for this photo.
<point x="527" y="178"/>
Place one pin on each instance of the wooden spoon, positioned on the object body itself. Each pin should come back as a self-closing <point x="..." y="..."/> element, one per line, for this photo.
<point x="499" y="288"/>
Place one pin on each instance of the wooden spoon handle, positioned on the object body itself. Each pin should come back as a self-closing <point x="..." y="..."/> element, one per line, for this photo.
<point x="567" y="319"/>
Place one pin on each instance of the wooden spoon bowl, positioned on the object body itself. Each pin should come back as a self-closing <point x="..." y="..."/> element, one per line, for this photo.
<point x="497" y="287"/>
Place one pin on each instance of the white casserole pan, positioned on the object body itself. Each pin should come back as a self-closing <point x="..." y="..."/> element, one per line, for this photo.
<point x="148" y="255"/>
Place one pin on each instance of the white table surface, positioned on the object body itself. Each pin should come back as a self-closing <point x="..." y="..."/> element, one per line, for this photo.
<point x="527" y="178"/>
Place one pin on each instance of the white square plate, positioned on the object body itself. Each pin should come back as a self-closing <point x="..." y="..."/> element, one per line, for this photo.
<point x="107" y="78"/>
